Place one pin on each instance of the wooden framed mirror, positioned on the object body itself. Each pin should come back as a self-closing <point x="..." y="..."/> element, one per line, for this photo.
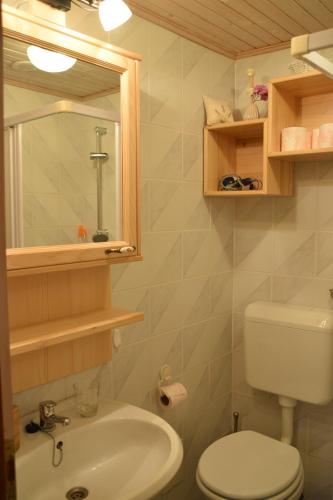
<point x="65" y="134"/>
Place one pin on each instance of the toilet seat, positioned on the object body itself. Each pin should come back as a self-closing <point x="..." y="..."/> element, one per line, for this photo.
<point x="295" y="492"/>
<point x="249" y="466"/>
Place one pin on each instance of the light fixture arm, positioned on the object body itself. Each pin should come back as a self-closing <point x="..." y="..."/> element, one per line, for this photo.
<point x="112" y="13"/>
<point x="89" y="5"/>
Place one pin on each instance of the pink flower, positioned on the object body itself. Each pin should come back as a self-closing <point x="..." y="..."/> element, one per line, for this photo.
<point x="260" y="92"/>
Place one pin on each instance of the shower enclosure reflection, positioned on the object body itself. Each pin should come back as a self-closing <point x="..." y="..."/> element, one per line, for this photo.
<point x="62" y="155"/>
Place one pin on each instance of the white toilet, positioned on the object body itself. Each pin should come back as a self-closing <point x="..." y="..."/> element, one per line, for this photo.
<point x="288" y="352"/>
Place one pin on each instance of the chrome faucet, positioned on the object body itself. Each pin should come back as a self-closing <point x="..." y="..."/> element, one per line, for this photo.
<point x="47" y="417"/>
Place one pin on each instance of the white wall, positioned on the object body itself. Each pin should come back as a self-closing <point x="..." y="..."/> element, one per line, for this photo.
<point x="284" y="252"/>
<point x="184" y="285"/>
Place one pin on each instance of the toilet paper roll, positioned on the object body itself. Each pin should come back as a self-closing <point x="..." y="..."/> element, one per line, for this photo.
<point x="315" y="138"/>
<point x="171" y="395"/>
<point x="325" y="135"/>
<point x="295" y="138"/>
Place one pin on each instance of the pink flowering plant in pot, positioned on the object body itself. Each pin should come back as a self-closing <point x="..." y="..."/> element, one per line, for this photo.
<point x="260" y="95"/>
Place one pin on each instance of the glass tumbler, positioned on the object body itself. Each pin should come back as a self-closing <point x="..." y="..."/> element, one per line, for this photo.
<point x="86" y="397"/>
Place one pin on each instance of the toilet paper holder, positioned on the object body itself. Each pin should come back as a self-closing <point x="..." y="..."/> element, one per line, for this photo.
<point x="170" y="393"/>
<point x="165" y="375"/>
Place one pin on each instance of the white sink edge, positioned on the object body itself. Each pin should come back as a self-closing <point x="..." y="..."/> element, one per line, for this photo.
<point x="108" y="411"/>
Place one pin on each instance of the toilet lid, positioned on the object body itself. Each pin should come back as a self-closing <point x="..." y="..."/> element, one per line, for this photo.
<point x="248" y="465"/>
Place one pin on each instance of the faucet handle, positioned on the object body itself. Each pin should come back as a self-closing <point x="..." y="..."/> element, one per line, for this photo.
<point x="47" y="408"/>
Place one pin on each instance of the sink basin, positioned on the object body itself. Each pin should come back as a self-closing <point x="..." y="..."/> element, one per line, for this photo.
<point x="123" y="453"/>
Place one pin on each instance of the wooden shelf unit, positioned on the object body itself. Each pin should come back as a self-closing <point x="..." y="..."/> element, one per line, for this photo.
<point x="61" y="323"/>
<point x="304" y="100"/>
<point x="322" y="154"/>
<point x="241" y="148"/>
<point x="51" y="333"/>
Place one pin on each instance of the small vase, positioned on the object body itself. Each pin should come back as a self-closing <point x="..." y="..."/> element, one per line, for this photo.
<point x="262" y="108"/>
<point x="251" y="112"/>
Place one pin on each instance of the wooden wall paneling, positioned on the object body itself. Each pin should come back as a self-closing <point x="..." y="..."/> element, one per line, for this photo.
<point x="295" y="11"/>
<point x="282" y="112"/>
<point x="226" y="159"/>
<point x="278" y="174"/>
<point x="211" y="159"/>
<point x="92" y="351"/>
<point x="315" y="9"/>
<point x="213" y="24"/>
<point x="27" y="300"/>
<point x="224" y="11"/>
<point x="7" y="448"/>
<point x="138" y="159"/>
<point x="28" y="370"/>
<point x="65" y="359"/>
<point x="246" y="27"/>
<point x="58" y="361"/>
<point x="249" y="155"/>
<point x="276" y="14"/>
<point x="189" y="22"/>
<point x="35" y="301"/>
<point x="316" y="110"/>
<point x="180" y="29"/>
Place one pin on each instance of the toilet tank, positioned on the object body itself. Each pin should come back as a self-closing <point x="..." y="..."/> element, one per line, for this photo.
<point x="289" y="351"/>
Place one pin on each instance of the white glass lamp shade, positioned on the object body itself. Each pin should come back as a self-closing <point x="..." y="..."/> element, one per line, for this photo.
<point x="113" y="13"/>
<point x="51" y="62"/>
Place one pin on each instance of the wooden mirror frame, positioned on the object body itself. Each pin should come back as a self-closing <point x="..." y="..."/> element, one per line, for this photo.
<point x="33" y="30"/>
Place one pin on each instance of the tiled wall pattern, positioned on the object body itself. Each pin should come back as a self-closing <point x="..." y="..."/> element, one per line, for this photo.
<point x="184" y="285"/>
<point x="283" y="252"/>
<point x="205" y="258"/>
<point x="59" y="179"/>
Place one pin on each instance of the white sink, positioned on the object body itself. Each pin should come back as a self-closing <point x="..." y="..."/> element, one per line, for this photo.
<point x="121" y="454"/>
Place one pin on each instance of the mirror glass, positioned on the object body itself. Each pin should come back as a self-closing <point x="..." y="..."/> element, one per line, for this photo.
<point x="62" y="152"/>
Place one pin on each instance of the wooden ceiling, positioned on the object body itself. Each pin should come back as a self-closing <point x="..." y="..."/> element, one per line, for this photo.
<point x="238" y="28"/>
<point x="82" y="82"/>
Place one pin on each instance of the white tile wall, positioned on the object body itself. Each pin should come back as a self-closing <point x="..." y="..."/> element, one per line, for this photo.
<point x="206" y="259"/>
<point x="184" y="285"/>
<point x="283" y="252"/>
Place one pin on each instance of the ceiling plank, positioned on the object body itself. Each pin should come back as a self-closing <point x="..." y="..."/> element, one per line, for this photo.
<point x="243" y="22"/>
<point x="204" y="16"/>
<point x="220" y="22"/>
<point x="297" y="12"/>
<point x="180" y="29"/>
<point x="318" y="11"/>
<point x="263" y="50"/>
<point x="238" y="28"/>
<point x="180" y="14"/>
<point x="258" y="18"/>
<point x="276" y="14"/>
<point x="328" y="4"/>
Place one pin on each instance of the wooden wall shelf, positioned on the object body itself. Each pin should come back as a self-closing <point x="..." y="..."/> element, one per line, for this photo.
<point x="304" y="100"/>
<point x="51" y="333"/>
<point x="253" y="148"/>
<point x="322" y="154"/>
<point x="241" y="148"/>
<point x="61" y="323"/>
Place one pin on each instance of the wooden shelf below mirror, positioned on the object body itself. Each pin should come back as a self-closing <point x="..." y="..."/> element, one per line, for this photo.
<point x="51" y="333"/>
<point x="61" y="323"/>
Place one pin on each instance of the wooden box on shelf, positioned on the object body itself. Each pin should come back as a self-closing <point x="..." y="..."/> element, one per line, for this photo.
<point x="241" y="148"/>
<point x="304" y="100"/>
